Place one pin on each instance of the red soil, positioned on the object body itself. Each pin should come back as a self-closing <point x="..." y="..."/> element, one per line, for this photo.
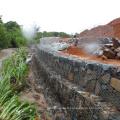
<point x="80" y="53"/>
<point x="84" y="33"/>
<point x="100" y="31"/>
<point x="112" y="29"/>
<point x="66" y="39"/>
<point x="115" y="21"/>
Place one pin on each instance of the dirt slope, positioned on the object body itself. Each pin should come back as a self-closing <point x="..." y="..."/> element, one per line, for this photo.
<point x="112" y="29"/>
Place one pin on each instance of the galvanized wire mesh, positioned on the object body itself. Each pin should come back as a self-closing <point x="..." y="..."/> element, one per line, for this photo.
<point x="90" y="90"/>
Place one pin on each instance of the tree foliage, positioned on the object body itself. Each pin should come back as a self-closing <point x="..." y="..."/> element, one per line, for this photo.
<point x="4" y="36"/>
<point x="15" y="34"/>
<point x="51" y="34"/>
<point x="11" y="24"/>
<point x="11" y="35"/>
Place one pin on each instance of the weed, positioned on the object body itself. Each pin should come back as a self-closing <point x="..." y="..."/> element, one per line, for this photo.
<point x="14" y="72"/>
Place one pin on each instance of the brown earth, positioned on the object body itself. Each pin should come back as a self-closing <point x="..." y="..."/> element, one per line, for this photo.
<point x="112" y="29"/>
<point x="114" y="22"/>
<point x="30" y="94"/>
<point x="79" y="53"/>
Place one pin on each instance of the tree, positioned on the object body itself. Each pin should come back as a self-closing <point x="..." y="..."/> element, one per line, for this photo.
<point x="15" y="34"/>
<point x="11" y="24"/>
<point x="51" y="34"/>
<point x="1" y="19"/>
<point x="4" y="36"/>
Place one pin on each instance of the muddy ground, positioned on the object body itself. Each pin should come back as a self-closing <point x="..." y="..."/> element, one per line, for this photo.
<point x="33" y="93"/>
<point x="37" y="92"/>
<point x="6" y="53"/>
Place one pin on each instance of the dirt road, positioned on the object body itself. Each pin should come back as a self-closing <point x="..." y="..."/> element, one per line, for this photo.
<point x="5" y="53"/>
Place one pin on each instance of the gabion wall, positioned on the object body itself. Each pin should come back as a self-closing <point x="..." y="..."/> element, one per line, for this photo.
<point x="83" y="83"/>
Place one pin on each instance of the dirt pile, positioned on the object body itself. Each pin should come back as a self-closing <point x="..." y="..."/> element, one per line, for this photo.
<point x="100" y="31"/>
<point x="91" y="58"/>
<point x="112" y="29"/>
<point x="108" y="54"/>
<point x="114" y="22"/>
<point x="76" y="51"/>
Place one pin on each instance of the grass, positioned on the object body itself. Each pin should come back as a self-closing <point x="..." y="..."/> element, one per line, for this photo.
<point x="14" y="72"/>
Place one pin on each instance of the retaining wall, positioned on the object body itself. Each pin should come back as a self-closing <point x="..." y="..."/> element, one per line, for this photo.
<point x="81" y="84"/>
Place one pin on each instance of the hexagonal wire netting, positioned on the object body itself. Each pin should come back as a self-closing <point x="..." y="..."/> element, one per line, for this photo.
<point x="99" y="81"/>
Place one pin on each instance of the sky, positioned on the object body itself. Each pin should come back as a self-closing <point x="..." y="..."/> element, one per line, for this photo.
<point x="68" y="16"/>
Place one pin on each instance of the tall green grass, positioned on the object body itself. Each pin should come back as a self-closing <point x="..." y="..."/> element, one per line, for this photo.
<point x="14" y="71"/>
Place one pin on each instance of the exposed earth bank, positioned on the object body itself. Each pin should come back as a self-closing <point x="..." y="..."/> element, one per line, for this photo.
<point x="112" y="29"/>
<point x="79" y="53"/>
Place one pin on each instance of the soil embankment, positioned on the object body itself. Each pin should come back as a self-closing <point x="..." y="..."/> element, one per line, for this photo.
<point x="79" y="53"/>
<point x="112" y="29"/>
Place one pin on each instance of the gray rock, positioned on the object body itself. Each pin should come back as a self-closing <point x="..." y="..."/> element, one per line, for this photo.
<point x="106" y="78"/>
<point x="40" y="111"/>
<point x="97" y="88"/>
<point x="104" y="87"/>
<point x="100" y="53"/>
<point x="104" y="57"/>
<point x="59" y="46"/>
<point x="105" y="67"/>
<point x="116" y="42"/>
<point x="118" y="55"/>
<point x="118" y="70"/>
<point x="108" y="53"/>
<point x="117" y="50"/>
<point x="112" y="48"/>
<point x="38" y="89"/>
<point x="108" y="45"/>
<point x="104" y="40"/>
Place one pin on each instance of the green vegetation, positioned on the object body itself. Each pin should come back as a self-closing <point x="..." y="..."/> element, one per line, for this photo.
<point x="4" y="36"/>
<point x="14" y="72"/>
<point x="11" y="35"/>
<point x="15" y="35"/>
<point x="51" y="34"/>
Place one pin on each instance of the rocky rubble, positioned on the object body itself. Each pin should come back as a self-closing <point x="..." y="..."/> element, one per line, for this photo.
<point x="110" y="51"/>
<point x="104" y="47"/>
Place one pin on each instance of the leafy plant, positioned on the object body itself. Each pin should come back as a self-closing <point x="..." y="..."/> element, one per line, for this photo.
<point x="14" y="71"/>
<point x="11" y="35"/>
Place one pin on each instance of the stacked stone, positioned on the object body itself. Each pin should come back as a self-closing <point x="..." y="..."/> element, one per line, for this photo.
<point x="79" y="83"/>
<point x="80" y="72"/>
